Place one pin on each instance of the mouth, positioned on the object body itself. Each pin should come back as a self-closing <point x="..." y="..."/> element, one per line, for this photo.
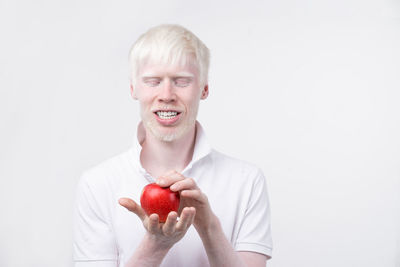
<point x="167" y="116"/>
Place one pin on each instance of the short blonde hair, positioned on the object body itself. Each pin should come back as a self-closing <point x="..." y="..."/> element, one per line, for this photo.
<point x="169" y="44"/>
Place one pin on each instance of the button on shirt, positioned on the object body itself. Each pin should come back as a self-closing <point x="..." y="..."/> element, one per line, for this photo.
<point x="106" y="234"/>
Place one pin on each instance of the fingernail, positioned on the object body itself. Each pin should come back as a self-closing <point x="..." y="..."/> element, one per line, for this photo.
<point x="161" y="182"/>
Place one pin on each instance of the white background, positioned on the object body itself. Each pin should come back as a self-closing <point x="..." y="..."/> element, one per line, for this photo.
<point x="307" y="90"/>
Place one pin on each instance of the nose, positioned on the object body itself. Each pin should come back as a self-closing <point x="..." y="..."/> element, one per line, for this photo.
<point x="167" y="92"/>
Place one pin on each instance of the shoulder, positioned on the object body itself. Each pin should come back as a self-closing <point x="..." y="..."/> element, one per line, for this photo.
<point x="108" y="172"/>
<point x="226" y="161"/>
<point x="234" y="167"/>
<point x="96" y="193"/>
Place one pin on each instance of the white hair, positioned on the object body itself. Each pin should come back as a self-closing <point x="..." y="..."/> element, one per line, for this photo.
<point x="169" y="44"/>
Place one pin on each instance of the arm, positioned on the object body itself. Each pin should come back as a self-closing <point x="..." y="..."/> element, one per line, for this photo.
<point x="221" y="253"/>
<point x="253" y="258"/>
<point x="219" y="250"/>
<point x="94" y="243"/>
<point x="160" y="237"/>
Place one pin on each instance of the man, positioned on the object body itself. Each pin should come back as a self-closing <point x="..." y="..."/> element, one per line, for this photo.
<point x="224" y="216"/>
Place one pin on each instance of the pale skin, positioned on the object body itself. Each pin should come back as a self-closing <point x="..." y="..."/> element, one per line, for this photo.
<point x="177" y="87"/>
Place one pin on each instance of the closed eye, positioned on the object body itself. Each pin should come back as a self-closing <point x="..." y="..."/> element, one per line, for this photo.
<point x="182" y="81"/>
<point x="152" y="82"/>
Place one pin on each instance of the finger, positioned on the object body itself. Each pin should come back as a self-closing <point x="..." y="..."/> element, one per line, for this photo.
<point x="169" y="172"/>
<point x="153" y="225"/>
<point x="185" y="184"/>
<point x="186" y="219"/>
<point x="169" y="225"/>
<point x="169" y="178"/>
<point x="132" y="206"/>
<point x="192" y="215"/>
<point x="194" y="194"/>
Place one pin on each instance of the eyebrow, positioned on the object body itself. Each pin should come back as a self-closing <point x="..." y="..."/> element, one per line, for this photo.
<point x="144" y="78"/>
<point x="184" y="75"/>
<point x="149" y="75"/>
<point x="177" y="75"/>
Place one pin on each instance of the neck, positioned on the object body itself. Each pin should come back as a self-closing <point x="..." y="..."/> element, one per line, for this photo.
<point x="158" y="157"/>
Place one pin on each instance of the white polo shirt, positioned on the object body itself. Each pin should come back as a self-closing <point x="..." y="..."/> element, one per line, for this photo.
<point x="106" y="234"/>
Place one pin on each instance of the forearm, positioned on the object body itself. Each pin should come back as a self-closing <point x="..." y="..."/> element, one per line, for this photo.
<point x="148" y="254"/>
<point x="219" y="250"/>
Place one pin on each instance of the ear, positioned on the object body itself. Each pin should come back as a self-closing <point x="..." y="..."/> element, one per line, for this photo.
<point x="204" y="93"/>
<point x="133" y="93"/>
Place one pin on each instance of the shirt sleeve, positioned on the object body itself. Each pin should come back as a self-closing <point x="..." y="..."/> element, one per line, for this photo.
<point x="255" y="230"/>
<point x="94" y="239"/>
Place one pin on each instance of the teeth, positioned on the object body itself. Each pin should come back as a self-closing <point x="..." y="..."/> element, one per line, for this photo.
<point x="167" y="114"/>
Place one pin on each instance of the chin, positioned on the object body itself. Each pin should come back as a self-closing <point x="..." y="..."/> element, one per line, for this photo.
<point x="169" y="135"/>
<point x="167" y="138"/>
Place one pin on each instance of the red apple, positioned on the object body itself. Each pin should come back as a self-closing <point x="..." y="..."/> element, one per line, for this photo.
<point x="160" y="200"/>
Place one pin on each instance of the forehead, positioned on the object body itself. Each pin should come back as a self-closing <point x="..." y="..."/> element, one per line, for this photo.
<point x="154" y="67"/>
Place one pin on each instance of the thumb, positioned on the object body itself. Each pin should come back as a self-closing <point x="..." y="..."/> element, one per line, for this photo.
<point x="132" y="206"/>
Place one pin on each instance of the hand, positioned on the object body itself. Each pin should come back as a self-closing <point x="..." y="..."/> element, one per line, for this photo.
<point x="163" y="235"/>
<point x="190" y="196"/>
